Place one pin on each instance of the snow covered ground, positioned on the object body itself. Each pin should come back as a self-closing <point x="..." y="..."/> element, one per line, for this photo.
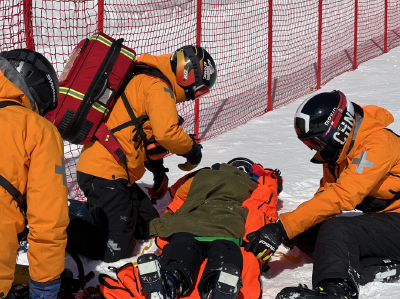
<point x="271" y="141"/>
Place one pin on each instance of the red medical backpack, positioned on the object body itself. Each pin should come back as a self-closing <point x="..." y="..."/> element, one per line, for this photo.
<point x="96" y="73"/>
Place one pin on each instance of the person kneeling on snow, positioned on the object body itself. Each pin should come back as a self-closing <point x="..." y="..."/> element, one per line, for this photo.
<point x="361" y="170"/>
<point x="32" y="173"/>
<point x="115" y="201"/>
<point x="200" y="236"/>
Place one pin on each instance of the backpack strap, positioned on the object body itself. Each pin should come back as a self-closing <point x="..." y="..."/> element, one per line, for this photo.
<point x="152" y="72"/>
<point x="136" y="121"/>
<point x="14" y="192"/>
<point x="68" y="283"/>
<point x="109" y="140"/>
<point x="9" y="103"/>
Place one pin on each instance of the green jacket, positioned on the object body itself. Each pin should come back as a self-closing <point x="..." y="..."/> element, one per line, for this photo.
<point x="213" y="207"/>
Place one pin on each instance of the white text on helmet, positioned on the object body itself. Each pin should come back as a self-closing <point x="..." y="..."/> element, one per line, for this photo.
<point x="52" y="86"/>
<point x="208" y="70"/>
<point x="330" y="116"/>
<point x="344" y="128"/>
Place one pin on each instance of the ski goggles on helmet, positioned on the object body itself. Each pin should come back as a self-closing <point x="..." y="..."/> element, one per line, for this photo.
<point x="316" y="142"/>
<point x="247" y="166"/>
<point x="195" y="92"/>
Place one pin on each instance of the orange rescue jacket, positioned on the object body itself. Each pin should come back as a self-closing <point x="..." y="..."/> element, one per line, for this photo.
<point x="369" y="165"/>
<point x="32" y="160"/>
<point x="147" y="96"/>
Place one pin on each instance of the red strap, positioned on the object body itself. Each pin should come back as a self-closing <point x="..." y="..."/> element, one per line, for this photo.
<point x="104" y="135"/>
<point x="258" y="170"/>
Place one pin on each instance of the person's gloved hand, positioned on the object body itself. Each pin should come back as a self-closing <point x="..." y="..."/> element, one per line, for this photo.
<point x="160" y="185"/>
<point x="193" y="157"/>
<point x="38" y="290"/>
<point x="187" y="166"/>
<point x="265" y="241"/>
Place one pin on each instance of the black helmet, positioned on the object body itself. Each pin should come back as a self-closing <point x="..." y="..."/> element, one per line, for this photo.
<point x="195" y="71"/>
<point x="243" y="164"/>
<point x="324" y="121"/>
<point x="38" y="74"/>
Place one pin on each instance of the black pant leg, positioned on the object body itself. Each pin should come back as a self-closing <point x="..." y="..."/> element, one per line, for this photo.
<point x="307" y="239"/>
<point x="183" y="253"/>
<point x="114" y="212"/>
<point x="343" y="241"/>
<point x="146" y="212"/>
<point x="219" y="252"/>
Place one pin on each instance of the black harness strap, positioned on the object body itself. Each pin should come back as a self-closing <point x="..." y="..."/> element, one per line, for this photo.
<point x="148" y="70"/>
<point x="138" y="121"/>
<point x="9" y="103"/>
<point x="13" y="191"/>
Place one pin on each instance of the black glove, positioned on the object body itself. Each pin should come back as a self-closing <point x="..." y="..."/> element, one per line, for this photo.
<point x="265" y="241"/>
<point x="160" y="178"/>
<point x="193" y="157"/>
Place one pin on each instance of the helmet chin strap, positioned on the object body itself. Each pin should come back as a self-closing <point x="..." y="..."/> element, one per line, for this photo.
<point x="330" y="153"/>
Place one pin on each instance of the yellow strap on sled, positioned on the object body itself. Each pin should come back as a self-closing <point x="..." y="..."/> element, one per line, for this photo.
<point x="144" y="249"/>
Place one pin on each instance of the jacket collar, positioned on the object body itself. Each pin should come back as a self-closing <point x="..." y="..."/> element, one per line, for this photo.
<point x="13" y="86"/>
<point x="163" y="64"/>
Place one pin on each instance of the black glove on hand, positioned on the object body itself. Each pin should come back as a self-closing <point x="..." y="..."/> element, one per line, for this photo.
<point x="193" y="156"/>
<point x="265" y="241"/>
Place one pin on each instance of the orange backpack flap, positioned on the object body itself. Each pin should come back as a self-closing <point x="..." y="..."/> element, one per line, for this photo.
<point x="98" y="70"/>
<point x="127" y="284"/>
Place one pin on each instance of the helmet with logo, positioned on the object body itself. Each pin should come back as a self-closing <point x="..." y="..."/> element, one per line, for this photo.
<point x="38" y="74"/>
<point x="243" y="164"/>
<point x="324" y="122"/>
<point x="195" y="71"/>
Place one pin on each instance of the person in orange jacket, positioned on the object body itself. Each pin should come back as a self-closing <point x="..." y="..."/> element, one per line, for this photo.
<point x="115" y="202"/>
<point x="201" y="237"/>
<point x="361" y="170"/>
<point x="32" y="173"/>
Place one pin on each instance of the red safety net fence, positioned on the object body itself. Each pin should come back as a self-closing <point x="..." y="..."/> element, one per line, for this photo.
<point x="267" y="52"/>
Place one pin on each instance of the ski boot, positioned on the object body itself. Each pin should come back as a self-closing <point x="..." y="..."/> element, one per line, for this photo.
<point x="384" y="270"/>
<point x="157" y="283"/>
<point x="19" y="291"/>
<point x="328" y="290"/>
<point x="226" y="285"/>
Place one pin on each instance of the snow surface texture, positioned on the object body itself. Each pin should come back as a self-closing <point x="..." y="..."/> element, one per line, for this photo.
<point x="271" y="141"/>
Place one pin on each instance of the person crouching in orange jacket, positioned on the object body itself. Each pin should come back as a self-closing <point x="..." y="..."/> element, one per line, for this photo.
<point x="361" y="170"/>
<point x="32" y="173"/>
<point x="115" y="202"/>
<point x="201" y="237"/>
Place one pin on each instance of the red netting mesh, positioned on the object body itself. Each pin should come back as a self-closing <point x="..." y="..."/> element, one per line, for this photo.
<point x="236" y="34"/>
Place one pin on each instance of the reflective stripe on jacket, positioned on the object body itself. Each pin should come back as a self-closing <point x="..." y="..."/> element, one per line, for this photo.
<point x="32" y="160"/>
<point x="369" y="165"/>
<point x="147" y="96"/>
